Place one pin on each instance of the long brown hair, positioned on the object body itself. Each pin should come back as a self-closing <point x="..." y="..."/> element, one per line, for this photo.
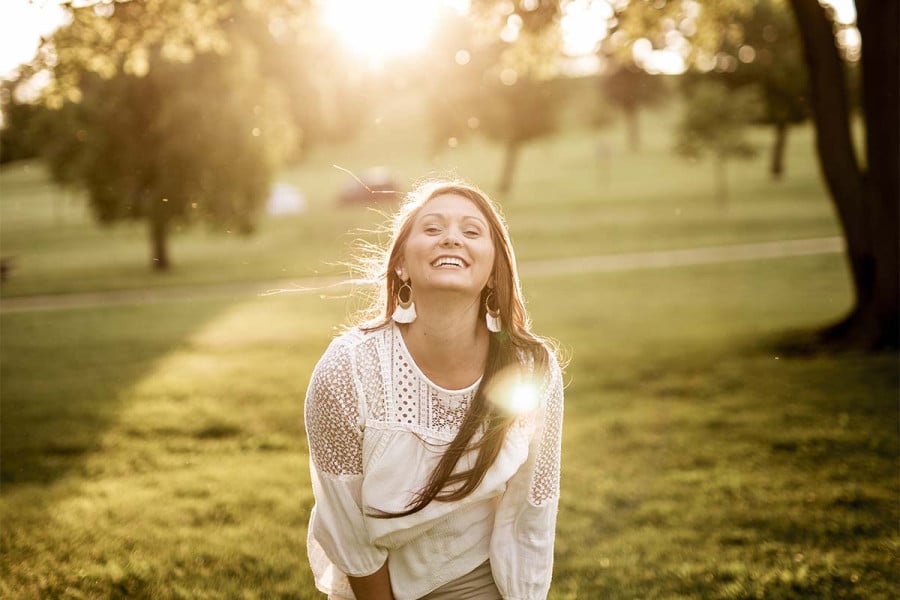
<point x="506" y="348"/>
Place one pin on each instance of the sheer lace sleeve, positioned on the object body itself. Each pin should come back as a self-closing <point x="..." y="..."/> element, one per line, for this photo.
<point x="333" y="416"/>
<point x="525" y="523"/>
<point x="545" y="480"/>
<point x="338" y="543"/>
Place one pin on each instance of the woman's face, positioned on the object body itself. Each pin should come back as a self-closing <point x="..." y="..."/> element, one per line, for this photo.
<point x="449" y="248"/>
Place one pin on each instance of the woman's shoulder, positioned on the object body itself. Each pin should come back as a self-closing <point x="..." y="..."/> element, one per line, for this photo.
<point x="545" y="369"/>
<point x="539" y="358"/>
<point x="348" y="342"/>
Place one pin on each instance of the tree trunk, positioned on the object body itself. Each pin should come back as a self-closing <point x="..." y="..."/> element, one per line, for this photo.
<point x="632" y="125"/>
<point x="158" y="221"/>
<point x="879" y="26"/>
<point x="510" y="158"/>
<point x="860" y="201"/>
<point x="776" y="167"/>
<point x="721" y="177"/>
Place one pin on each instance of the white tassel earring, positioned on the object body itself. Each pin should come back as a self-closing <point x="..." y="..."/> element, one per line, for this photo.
<point x="405" y="312"/>
<point x="492" y="315"/>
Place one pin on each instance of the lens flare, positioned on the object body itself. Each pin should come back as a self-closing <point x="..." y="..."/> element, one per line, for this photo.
<point x="514" y="392"/>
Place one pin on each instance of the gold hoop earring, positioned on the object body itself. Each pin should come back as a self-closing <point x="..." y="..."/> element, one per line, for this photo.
<point x="405" y="311"/>
<point x="492" y="315"/>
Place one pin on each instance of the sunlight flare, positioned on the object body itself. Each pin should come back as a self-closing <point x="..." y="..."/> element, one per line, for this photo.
<point x="379" y="31"/>
<point x="514" y="392"/>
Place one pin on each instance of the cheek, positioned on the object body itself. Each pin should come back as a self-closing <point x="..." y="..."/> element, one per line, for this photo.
<point x="488" y="254"/>
<point x="412" y="251"/>
<point x="489" y="249"/>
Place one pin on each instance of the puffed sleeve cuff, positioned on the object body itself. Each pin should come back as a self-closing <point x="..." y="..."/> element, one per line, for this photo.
<point x="337" y="525"/>
<point x="522" y="549"/>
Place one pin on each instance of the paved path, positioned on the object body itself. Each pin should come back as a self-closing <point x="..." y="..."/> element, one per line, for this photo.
<point x="539" y="268"/>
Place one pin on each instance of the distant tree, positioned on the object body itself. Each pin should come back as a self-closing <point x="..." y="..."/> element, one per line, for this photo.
<point x="761" y="49"/>
<point x="714" y="123"/>
<point x="632" y="89"/>
<point x="17" y="135"/>
<point x="163" y="134"/>
<point x="498" y="84"/>
<point x="328" y="92"/>
<point x="452" y="82"/>
<point x="520" y="113"/>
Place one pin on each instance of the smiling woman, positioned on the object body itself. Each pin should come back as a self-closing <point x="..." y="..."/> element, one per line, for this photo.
<point x="434" y="431"/>
<point x="379" y="31"/>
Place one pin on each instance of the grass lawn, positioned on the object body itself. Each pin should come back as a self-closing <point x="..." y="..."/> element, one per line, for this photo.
<point x="157" y="451"/>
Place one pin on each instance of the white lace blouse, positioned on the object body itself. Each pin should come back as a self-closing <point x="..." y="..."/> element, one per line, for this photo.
<point x="376" y="427"/>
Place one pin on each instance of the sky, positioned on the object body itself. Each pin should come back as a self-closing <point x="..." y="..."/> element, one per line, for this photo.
<point x="23" y="22"/>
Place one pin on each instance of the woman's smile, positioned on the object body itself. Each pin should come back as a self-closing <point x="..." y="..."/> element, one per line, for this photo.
<point x="449" y="247"/>
<point x="449" y="262"/>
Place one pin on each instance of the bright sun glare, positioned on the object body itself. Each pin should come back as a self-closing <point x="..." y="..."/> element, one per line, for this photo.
<point x="514" y="392"/>
<point x="382" y="30"/>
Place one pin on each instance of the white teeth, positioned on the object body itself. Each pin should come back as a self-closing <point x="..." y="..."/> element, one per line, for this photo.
<point x="447" y="260"/>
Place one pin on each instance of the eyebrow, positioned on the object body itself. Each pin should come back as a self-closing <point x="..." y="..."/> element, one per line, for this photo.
<point x="466" y="217"/>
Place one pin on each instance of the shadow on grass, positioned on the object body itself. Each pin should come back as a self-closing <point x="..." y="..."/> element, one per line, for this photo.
<point x="65" y="375"/>
<point x="158" y="450"/>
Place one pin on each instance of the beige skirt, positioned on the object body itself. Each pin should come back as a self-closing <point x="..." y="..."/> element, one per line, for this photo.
<point x="478" y="584"/>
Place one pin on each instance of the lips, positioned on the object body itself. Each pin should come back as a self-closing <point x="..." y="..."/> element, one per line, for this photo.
<point x="449" y="261"/>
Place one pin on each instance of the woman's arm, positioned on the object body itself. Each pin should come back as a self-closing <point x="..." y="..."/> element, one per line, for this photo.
<point x="525" y="522"/>
<point x="376" y="586"/>
<point x="337" y="527"/>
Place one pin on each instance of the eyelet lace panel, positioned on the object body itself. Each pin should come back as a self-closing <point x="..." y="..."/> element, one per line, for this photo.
<point x="376" y="367"/>
<point x="332" y="414"/>
<point x="419" y="404"/>
<point x="545" y="479"/>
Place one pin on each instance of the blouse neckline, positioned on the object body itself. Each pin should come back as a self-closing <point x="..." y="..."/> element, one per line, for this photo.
<point x="412" y="363"/>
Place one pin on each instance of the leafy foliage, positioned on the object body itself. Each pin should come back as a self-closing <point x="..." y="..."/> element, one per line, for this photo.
<point x="185" y="139"/>
<point x="715" y="121"/>
<point x="477" y="80"/>
<point x="17" y="135"/>
<point x="167" y="111"/>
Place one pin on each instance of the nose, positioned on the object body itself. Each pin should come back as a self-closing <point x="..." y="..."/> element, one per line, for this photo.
<point x="451" y="240"/>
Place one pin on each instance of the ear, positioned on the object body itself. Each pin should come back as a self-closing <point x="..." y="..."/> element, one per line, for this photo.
<point x="400" y="271"/>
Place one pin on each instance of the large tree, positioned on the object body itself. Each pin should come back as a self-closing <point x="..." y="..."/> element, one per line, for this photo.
<point x="162" y="129"/>
<point x="866" y="197"/>
<point x="864" y="192"/>
<point x="171" y="111"/>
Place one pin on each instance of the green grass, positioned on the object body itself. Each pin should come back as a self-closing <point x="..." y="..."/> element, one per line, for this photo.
<point x="158" y="450"/>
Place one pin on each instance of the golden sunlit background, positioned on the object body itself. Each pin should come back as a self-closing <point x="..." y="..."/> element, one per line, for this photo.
<point x="703" y="201"/>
